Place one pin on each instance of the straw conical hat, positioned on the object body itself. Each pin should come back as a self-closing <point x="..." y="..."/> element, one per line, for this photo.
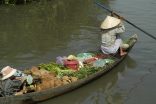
<point x="110" y="22"/>
<point x="7" y="72"/>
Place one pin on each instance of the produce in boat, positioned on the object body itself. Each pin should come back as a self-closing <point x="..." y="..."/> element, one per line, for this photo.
<point x="53" y="79"/>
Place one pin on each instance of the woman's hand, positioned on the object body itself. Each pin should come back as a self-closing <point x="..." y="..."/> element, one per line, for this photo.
<point x="121" y="18"/>
<point x="23" y="80"/>
<point x="112" y="13"/>
<point x="19" y="93"/>
<point x="18" y="78"/>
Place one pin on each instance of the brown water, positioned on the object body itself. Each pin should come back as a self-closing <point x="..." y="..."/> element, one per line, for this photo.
<point x="41" y="31"/>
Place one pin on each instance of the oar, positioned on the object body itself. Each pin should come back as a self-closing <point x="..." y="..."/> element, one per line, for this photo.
<point x="124" y="19"/>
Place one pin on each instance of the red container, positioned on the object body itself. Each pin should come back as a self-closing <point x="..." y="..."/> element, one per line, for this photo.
<point x="71" y="64"/>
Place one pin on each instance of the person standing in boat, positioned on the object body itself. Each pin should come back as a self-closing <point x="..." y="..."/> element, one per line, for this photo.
<point x="10" y="82"/>
<point x="111" y="41"/>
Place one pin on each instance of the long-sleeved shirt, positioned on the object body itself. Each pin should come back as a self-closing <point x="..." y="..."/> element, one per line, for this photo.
<point x="109" y="36"/>
<point x="9" y="85"/>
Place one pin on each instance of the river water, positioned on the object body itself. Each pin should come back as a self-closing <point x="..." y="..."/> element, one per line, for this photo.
<point x="39" y="32"/>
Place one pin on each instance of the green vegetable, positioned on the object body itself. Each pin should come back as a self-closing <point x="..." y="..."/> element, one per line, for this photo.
<point x="86" y="71"/>
<point x="127" y="41"/>
<point x="61" y="71"/>
<point x="58" y="69"/>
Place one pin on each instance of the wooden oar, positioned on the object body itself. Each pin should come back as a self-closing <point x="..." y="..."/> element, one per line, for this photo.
<point x="124" y="19"/>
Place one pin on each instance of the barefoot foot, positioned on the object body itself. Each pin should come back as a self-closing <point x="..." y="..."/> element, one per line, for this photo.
<point x="123" y="53"/>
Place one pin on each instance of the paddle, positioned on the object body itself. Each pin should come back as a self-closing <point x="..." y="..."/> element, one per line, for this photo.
<point x="123" y="19"/>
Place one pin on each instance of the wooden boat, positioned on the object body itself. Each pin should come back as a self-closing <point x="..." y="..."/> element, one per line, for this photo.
<point x="30" y="98"/>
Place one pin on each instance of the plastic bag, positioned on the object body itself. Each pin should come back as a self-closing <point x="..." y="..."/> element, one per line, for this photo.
<point x="125" y="46"/>
<point x="29" y="79"/>
<point x="19" y="74"/>
<point x="59" y="60"/>
<point x="99" y="63"/>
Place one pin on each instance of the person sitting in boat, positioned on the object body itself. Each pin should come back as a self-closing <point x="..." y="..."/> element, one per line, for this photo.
<point x="11" y="82"/>
<point x="111" y="41"/>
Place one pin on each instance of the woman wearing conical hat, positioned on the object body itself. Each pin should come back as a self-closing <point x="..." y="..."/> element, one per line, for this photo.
<point x="111" y="30"/>
<point x="10" y="82"/>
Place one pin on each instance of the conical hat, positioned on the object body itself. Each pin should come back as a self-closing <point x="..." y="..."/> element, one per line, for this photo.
<point x="7" y="72"/>
<point x="110" y="22"/>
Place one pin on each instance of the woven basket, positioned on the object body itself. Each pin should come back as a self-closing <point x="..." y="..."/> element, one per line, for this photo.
<point x="89" y="61"/>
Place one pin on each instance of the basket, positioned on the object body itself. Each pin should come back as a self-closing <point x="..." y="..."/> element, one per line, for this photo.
<point x="89" y="61"/>
<point x="87" y="55"/>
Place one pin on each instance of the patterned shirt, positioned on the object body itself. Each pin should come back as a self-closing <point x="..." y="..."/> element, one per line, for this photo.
<point x="9" y="85"/>
<point x="109" y="36"/>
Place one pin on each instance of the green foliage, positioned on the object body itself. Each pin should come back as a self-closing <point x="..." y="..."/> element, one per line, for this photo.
<point x="86" y="71"/>
<point x="15" y="2"/>
<point x="127" y="41"/>
<point x="60" y="70"/>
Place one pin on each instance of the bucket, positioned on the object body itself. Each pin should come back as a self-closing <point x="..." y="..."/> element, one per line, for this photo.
<point x="71" y="64"/>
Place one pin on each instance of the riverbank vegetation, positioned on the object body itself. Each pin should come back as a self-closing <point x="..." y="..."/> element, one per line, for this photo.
<point x="15" y="2"/>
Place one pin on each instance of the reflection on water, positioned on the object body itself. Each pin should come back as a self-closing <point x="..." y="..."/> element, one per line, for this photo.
<point x="29" y="32"/>
<point x="97" y="92"/>
<point x="108" y="92"/>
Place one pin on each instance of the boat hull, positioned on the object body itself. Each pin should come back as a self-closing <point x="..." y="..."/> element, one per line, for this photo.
<point x="34" y="97"/>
